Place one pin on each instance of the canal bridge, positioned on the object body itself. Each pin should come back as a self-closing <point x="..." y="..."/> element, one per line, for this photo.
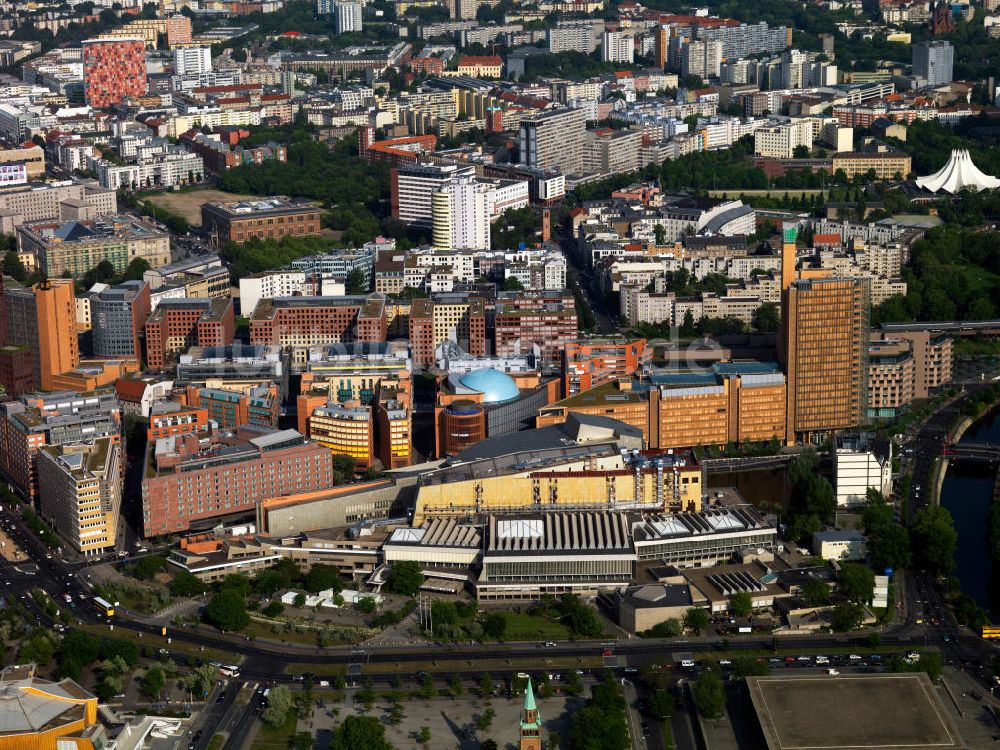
<point x="973" y="451"/>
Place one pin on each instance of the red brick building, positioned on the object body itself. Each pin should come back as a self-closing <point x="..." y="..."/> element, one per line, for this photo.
<point x="178" y="324"/>
<point x="17" y="370"/>
<point x="170" y="418"/>
<point x="523" y="319"/>
<point x="113" y="70"/>
<point x="191" y="485"/>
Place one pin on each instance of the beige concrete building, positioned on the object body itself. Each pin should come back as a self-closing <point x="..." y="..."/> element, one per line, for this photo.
<point x="80" y="488"/>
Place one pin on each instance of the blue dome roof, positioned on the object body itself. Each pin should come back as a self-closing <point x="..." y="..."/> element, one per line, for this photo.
<point x="495" y="386"/>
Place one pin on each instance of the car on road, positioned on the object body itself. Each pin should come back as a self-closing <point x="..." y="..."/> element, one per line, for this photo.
<point x="550" y="644"/>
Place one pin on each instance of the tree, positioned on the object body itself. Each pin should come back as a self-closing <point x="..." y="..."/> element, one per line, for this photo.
<point x="356" y="283"/>
<point x="360" y="733"/>
<point x="741" y="604"/>
<point x="322" y="577"/>
<point x="857" y="582"/>
<point x="889" y="547"/>
<point x="816" y="593"/>
<point x="146" y="568"/>
<point x="661" y="704"/>
<point x="846" y="616"/>
<point x="709" y="695"/>
<point x="932" y="540"/>
<point x="273" y="609"/>
<point x="495" y="626"/>
<point x="186" y="584"/>
<point x="485" y="685"/>
<point x="800" y="152"/>
<point x="153" y="682"/>
<point x="766" y="318"/>
<point x="424" y="737"/>
<point x="688" y="329"/>
<point x="660" y="233"/>
<point x="201" y="679"/>
<point x="405" y="578"/>
<point x="13" y="267"/>
<point x="299" y="600"/>
<point x="367" y="604"/>
<point x="279" y="703"/>
<point x="747" y="666"/>
<point x="136" y="268"/>
<point x="696" y="620"/>
<point x="512" y="284"/>
<point x="343" y="469"/>
<point x="485" y="720"/>
<point x="489" y="744"/>
<point x="227" y="611"/>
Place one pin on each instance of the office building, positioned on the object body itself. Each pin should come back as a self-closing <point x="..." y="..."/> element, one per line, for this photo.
<point x="113" y="70"/>
<point x="933" y="356"/>
<point x="42" y="714"/>
<point x="178" y="324"/>
<point x="118" y="316"/>
<point x="933" y="61"/>
<point x="617" y="47"/>
<point x="553" y="139"/>
<point x="192" y="61"/>
<point x="234" y="364"/>
<point x="196" y="276"/>
<point x="460" y="215"/>
<point x="346" y="429"/>
<point x="58" y="418"/>
<point x="413" y="186"/>
<point x="75" y="247"/>
<point x="822" y="346"/>
<point x="191" y="485"/>
<point x="42" y="318"/>
<point x="263" y="218"/>
<point x="887" y="162"/>
<point x="347" y="17"/>
<point x="80" y="492"/>
<point x="480" y="66"/>
<point x="17" y="370"/>
<point x="780" y="141"/>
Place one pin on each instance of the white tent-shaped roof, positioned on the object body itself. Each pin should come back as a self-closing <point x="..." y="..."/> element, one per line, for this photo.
<point x="957" y="174"/>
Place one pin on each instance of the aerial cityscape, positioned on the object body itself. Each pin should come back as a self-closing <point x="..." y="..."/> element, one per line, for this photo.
<point x="500" y="374"/>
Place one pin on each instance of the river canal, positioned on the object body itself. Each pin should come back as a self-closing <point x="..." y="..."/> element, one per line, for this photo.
<point x="966" y="493"/>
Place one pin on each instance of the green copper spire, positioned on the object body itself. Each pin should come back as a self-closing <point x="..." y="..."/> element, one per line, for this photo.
<point x="529" y="698"/>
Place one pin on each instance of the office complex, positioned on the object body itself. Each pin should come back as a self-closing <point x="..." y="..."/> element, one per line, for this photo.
<point x="80" y="492"/>
<point x="346" y="429"/>
<point x="177" y="324"/>
<point x="59" y="418"/>
<point x="823" y="346"/>
<point x="545" y="319"/>
<point x="42" y="318"/>
<point x="553" y="140"/>
<point x="263" y="218"/>
<point x="169" y="418"/>
<point x="413" y="186"/>
<point x="192" y="484"/>
<point x="118" y="316"/>
<point x="232" y="405"/>
<point x="933" y="62"/>
<point x="113" y="70"/>
<point x="298" y="322"/>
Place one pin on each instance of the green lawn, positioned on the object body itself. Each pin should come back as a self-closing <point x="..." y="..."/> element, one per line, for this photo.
<point x="216" y="742"/>
<point x="270" y="738"/>
<point x="525" y="627"/>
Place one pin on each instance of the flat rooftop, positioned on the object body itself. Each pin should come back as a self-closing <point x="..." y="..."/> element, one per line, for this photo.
<point x="852" y="712"/>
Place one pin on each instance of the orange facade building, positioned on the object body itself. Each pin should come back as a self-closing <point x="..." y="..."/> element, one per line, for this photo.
<point x="44" y="715"/>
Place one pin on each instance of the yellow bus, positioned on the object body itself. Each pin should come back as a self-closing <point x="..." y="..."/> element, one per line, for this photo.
<point x="104" y="607"/>
<point x="990" y="631"/>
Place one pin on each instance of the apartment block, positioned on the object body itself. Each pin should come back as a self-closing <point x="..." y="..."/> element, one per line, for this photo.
<point x="346" y="429"/>
<point x="589" y="363"/>
<point x="553" y="139"/>
<point x="891" y="378"/>
<point x="192" y="484"/>
<point x="268" y="285"/>
<point x="233" y="405"/>
<point x="297" y="323"/>
<point x="270" y="218"/>
<point x="80" y="492"/>
<point x="413" y="186"/>
<point x="178" y="324"/>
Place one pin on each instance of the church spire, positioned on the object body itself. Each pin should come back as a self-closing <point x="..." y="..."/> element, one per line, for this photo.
<point x="531" y="722"/>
